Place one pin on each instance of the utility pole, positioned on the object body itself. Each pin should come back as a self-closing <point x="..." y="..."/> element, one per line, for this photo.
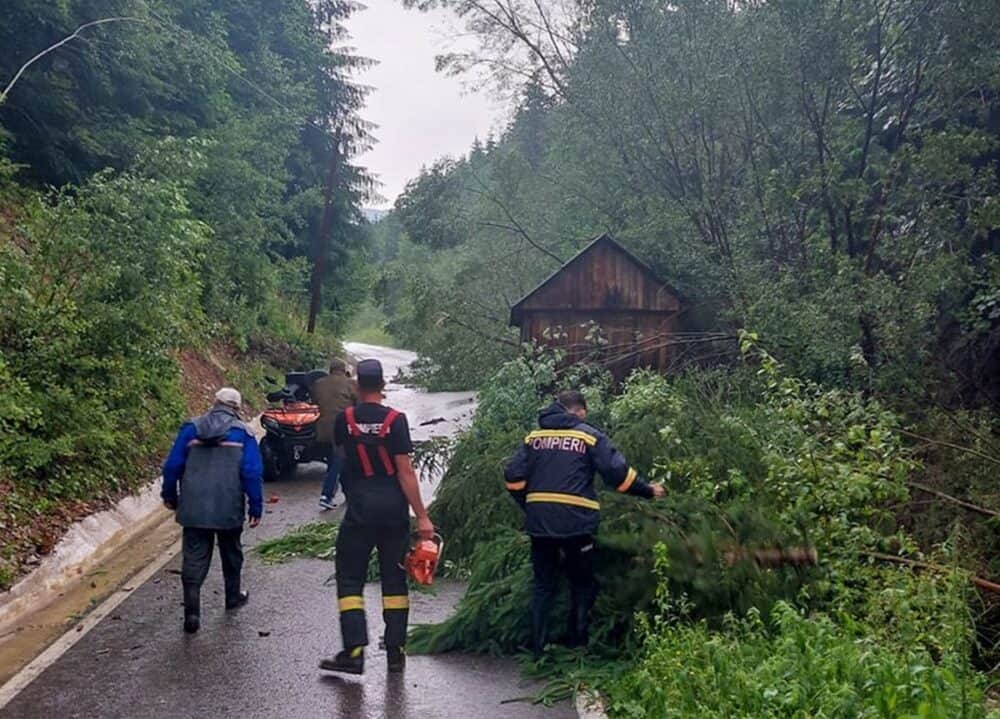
<point x="321" y="249"/>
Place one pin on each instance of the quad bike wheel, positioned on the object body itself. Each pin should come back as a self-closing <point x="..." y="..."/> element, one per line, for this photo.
<point x="274" y="467"/>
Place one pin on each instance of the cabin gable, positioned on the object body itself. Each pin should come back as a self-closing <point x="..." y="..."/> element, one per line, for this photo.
<point x="604" y="305"/>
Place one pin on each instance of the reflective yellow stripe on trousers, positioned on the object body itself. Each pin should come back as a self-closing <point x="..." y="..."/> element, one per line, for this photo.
<point x="396" y="601"/>
<point x="346" y="604"/>
<point x="562" y="498"/>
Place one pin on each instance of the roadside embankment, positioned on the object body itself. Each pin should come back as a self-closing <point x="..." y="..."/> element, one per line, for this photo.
<point x="95" y="559"/>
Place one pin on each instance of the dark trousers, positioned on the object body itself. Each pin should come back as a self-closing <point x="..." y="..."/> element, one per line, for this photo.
<point x="355" y="542"/>
<point x="197" y="548"/>
<point x="575" y="555"/>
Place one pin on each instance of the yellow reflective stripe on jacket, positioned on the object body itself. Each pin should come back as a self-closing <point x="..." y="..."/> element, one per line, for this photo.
<point x="346" y="604"/>
<point x="517" y="486"/>
<point x="629" y="479"/>
<point x="562" y="498"/>
<point x="587" y="439"/>
<point x="395" y="601"/>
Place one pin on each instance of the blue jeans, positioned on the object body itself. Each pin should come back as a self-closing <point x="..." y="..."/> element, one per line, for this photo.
<point x="333" y="466"/>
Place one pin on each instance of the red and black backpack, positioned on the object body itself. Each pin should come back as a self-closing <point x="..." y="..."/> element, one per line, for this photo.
<point x="366" y="443"/>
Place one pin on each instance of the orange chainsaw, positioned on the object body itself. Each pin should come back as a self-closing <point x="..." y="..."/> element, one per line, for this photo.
<point x="422" y="559"/>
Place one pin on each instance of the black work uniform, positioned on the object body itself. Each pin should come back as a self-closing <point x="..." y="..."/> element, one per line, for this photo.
<point x="377" y="518"/>
<point x="552" y="477"/>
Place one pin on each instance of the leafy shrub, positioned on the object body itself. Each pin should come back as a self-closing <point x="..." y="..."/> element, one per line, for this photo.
<point x="793" y="665"/>
<point x="97" y="286"/>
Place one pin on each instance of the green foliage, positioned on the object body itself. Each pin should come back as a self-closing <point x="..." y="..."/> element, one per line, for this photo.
<point x="259" y="87"/>
<point x="753" y="459"/>
<point x="98" y="285"/>
<point x="316" y="540"/>
<point x="793" y="665"/>
<point x="824" y="172"/>
<point x="369" y="327"/>
<point x="192" y="141"/>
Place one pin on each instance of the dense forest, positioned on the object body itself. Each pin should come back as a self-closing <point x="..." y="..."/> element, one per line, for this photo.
<point x="164" y="171"/>
<point x="819" y="179"/>
<point x="821" y="172"/>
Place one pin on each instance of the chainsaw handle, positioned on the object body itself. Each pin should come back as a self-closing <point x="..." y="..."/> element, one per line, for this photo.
<point x="437" y="539"/>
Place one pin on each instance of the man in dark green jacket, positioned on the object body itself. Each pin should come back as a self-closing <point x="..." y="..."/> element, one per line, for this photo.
<point x="333" y="393"/>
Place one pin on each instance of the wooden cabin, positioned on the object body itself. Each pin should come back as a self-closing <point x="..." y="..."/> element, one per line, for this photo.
<point x="605" y="306"/>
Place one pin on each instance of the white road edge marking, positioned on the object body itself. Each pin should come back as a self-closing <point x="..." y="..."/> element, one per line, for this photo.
<point x="43" y="661"/>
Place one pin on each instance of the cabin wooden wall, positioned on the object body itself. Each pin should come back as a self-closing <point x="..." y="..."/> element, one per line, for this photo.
<point x="633" y="339"/>
<point x="604" y="278"/>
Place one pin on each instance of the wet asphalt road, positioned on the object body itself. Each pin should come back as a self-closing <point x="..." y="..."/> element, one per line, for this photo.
<point x="138" y="663"/>
<point x="261" y="661"/>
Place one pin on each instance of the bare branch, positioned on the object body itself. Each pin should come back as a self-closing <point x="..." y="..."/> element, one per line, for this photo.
<point x="56" y="46"/>
<point x="960" y="502"/>
<point x="978" y="581"/>
<point x="960" y="448"/>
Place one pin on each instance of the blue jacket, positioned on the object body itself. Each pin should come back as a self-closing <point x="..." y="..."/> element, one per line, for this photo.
<point x="216" y="463"/>
<point x="552" y="475"/>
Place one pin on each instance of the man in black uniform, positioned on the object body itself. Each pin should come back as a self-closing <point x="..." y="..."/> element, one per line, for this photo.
<point x="380" y="483"/>
<point x="552" y="477"/>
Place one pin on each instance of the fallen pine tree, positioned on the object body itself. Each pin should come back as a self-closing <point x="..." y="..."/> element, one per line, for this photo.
<point x="776" y="488"/>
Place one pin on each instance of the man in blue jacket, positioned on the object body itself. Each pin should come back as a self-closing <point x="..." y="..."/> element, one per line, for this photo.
<point x="552" y="477"/>
<point x="216" y="462"/>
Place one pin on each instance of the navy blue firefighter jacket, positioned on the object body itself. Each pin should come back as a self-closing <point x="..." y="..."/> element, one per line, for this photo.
<point x="552" y="475"/>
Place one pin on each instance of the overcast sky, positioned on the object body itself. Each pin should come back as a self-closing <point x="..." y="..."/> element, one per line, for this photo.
<point x="422" y="115"/>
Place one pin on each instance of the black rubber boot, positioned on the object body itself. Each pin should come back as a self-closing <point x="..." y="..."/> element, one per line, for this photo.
<point x="396" y="659"/>
<point x="192" y="608"/>
<point x="349" y="661"/>
<point x="238" y="600"/>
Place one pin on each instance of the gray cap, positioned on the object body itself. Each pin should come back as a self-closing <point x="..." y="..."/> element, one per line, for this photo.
<point x="229" y="397"/>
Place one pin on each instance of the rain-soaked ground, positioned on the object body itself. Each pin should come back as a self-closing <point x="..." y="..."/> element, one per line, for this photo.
<point x="261" y="661"/>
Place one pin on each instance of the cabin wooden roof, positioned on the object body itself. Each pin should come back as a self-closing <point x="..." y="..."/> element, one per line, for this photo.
<point x="603" y="276"/>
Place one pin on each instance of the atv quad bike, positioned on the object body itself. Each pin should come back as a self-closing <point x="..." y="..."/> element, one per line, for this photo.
<point x="290" y="427"/>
